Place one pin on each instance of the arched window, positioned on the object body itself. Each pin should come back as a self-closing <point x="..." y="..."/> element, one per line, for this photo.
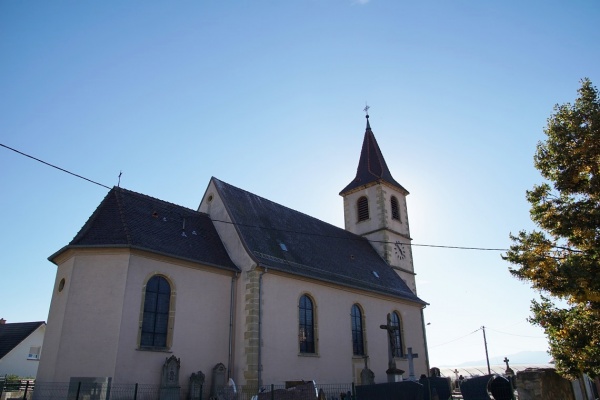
<point x="358" y="343"/>
<point x="398" y="345"/>
<point x="155" y="320"/>
<point x="395" y="209"/>
<point x="307" y="325"/>
<point x="363" y="208"/>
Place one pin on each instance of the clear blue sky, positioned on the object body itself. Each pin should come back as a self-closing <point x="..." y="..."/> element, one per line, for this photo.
<point x="268" y="96"/>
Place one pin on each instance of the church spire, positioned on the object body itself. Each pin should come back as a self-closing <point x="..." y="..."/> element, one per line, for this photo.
<point x="371" y="166"/>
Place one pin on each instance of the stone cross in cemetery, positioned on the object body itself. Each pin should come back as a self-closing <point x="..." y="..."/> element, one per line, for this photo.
<point x="394" y="374"/>
<point x="509" y="370"/>
<point x="411" y="368"/>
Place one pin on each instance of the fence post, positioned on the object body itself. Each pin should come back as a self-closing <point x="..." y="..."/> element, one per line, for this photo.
<point x="78" y="390"/>
<point x="272" y="391"/>
<point x="26" y="387"/>
<point x="353" y="392"/>
<point x="135" y="390"/>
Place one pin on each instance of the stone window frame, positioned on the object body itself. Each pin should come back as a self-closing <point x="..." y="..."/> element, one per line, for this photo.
<point x="398" y="335"/>
<point x="171" y="315"/>
<point x="362" y="209"/>
<point x="314" y="325"/>
<point x="359" y="343"/>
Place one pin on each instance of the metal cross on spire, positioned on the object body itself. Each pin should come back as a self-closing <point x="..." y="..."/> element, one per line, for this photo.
<point x="366" y="109"/>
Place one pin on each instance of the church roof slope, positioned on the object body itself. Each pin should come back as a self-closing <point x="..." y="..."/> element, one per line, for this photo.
<point x="133" y="220"/>
<point x="13" y="334"/>
<point x="371" y="166"/>
<point x="287" y="240"/>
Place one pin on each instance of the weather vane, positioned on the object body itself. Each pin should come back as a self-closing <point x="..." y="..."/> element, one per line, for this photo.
<point x="366" y="109"/>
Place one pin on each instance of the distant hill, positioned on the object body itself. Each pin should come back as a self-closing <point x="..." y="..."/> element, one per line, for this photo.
<point x="523" y="357"/>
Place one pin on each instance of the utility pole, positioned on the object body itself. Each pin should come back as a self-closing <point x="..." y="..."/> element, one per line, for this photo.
<point x="487" y="358"/>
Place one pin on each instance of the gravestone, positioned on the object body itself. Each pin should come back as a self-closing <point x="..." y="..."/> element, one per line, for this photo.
<point x="406" y="390"/>
<point x="219" y="379"/>
<point x="436" y="387"/>
<point x="501" y="389"/>
<point x="301" y="391"/>
<point x="169" y="383"/>
<point x="411" y="368"/>
<point x="476" y="388"/>
<point x="367" y="377"/>
<point x="196" y="385"/>
<point x="89" y="388"/>
<point x="393" y="373"/>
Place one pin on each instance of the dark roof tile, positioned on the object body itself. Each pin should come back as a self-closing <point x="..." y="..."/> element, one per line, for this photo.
<point x="311" y="247"/>
<point x="129" y="219"/>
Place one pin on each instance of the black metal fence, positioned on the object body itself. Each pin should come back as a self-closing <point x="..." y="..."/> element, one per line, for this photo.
<point x="30" y="390"/>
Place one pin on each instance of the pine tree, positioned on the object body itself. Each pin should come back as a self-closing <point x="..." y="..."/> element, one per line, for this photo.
<point x="562" y="258"/>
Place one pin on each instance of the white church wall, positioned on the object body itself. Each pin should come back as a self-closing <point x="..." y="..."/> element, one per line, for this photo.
<point x="334" y="361"/>
<point x="201" y="323"/>
<point x="52" y="337"/>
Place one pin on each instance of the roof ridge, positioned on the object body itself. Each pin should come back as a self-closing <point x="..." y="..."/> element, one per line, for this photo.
<point x="131" y="192"/>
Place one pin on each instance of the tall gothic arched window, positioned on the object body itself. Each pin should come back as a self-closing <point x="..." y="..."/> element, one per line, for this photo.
<point x="358" y="342"/>
<point x="395" y="208"/>
<point x="398" y="345"/>
<point x="155" y="319"/>
<point x="306" y="325"/>
<point x="362" y="205"/>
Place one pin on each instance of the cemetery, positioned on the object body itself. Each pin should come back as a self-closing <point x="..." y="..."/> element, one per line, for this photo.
<point x="526" y="384"/>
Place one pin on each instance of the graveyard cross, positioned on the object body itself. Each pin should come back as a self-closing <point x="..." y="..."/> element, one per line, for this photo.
<point x="506" y="360"/>
<point x="391" y="335"/>
<point x="411" y="368"/>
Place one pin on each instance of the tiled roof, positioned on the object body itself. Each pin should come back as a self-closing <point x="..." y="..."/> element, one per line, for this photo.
<point x="287" y="240"/>
<point x="133" y="220"/>
<point x="13" y="334"/>
<point x="371" y="166"/>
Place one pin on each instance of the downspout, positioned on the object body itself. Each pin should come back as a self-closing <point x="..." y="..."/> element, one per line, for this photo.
<point x="231" y="310"/>
<point x="260" y="328"/>
<point x="425" y="342"/>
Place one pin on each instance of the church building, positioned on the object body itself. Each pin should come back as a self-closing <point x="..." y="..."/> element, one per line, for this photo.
<point x="269" y="292"/>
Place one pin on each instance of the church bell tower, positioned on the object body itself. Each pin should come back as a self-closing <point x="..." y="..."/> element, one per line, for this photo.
<point x="375" y="208"/>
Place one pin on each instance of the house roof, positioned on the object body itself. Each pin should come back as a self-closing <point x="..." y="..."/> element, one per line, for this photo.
<point x="371" y="166"/>
<point x="283" y="239"/>
<point x="133" y="220"/>
<point x="13" y="334"/>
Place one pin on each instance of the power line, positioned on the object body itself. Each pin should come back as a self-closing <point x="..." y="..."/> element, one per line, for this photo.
<point x="54" y="166"/>
<point x="454" y="340"/>
<point x="261" y="227"/>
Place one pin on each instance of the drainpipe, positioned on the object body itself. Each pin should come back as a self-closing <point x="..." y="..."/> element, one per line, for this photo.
<point x="231" y="310"/>
<point x="425" y="342"/>
<point x="260" y="328"/>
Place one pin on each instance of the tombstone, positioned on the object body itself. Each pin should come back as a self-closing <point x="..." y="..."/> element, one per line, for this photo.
<point x="89" y="388"/>
<point x="195" y="386"/>
<point x="219" y="380"/>
<point x="411" y="368"/>
<point x="406" y="390"/>
<point x="297" y="391"/>
<point x="169" y="383"/>
<point x="393" y="373"/>
<point x="367" y="377"/>
<point x="434" y="386"/>
<point x="501" y="389"/>
<point x="476" y="388"/>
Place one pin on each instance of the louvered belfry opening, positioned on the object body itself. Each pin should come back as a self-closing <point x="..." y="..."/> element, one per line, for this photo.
<point x="363" y="208"/>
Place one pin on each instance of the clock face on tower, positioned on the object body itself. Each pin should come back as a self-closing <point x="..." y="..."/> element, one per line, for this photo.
<point x="399" y="250"/>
